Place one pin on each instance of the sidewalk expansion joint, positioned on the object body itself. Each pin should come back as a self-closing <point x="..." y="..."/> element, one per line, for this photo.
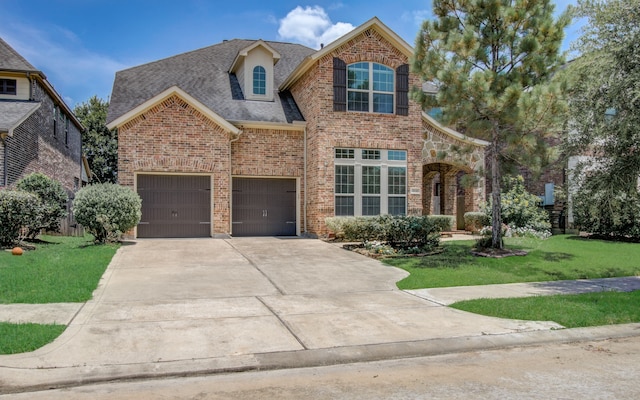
<point x="283" y="322"/>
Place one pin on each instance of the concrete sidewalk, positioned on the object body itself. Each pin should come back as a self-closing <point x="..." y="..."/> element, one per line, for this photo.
<point x="183" y="307"/>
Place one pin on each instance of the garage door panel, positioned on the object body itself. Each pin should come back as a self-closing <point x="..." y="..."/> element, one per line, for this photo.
<point x="264" y="207"/>
<point x="174" y="206"/>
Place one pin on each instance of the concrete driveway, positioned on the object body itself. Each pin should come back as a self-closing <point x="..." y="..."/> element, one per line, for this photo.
<point x="214" y="304"/>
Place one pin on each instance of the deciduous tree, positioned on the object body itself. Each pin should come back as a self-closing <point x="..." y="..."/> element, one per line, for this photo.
<point x="99" y="144"/>
<point x="605" y="123"/>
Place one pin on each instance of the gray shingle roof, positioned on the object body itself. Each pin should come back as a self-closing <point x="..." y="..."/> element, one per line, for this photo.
<point x="14" y="112"/>
<point x="11" y="60"/>
<point x="204" y="75"/>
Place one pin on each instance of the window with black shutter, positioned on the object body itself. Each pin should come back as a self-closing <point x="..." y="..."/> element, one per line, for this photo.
<point x="402" y="90"/>
<point x="339" y="85"/>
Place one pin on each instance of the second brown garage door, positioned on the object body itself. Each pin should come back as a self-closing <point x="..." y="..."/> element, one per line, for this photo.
<point x="174" y="206"/>
<point x="264" y="207"/>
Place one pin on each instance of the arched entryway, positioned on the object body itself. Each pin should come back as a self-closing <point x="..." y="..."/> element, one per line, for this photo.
<point x="452" y="172"/>
<point x="449" y="190"/>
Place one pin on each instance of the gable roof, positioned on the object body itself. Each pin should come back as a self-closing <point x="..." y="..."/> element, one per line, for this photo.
<point x="10" y="60"/>
<point x="174" y="90"/>
<point x="204" y="75"/>
<point x="373" y="23"/>
<point x="13" y="113"/>
<point x="245" y="52"/>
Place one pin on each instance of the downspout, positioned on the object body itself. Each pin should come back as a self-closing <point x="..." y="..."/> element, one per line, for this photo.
<point x="231" y="186"/>
<point x="6" y="155"/>
<point x="304" y="201"/>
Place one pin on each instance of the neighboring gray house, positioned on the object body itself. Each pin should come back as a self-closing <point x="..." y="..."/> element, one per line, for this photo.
<point x="38" y="131"/>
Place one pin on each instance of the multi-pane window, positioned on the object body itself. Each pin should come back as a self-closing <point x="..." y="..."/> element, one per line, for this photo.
<point x="259" y="80"/>
<point x="370" y="182"/>
<point x="8" y="86"/>
<point x="370" y="190"/>
<point x="370" y="88"/>
<point x="345" y="189"/>
<point x="397" y="184"/>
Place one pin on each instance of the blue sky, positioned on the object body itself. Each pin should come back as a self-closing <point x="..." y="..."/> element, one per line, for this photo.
<point x="80" y="44"/>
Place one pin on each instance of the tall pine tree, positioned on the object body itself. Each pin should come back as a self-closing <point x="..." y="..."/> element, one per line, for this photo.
<point x="492" y="61"/>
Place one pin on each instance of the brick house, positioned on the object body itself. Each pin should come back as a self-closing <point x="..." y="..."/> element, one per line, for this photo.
<point x="38" y="131"/>
<point x="252" y="137"/>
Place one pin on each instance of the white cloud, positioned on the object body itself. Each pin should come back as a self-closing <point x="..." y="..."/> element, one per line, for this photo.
<point x="311" y="26"/>
<point x="75" y="72"/>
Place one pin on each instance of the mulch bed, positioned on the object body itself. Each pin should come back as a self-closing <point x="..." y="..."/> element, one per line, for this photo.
<point x="360" y="249"/>
<point x="498" y="253"/>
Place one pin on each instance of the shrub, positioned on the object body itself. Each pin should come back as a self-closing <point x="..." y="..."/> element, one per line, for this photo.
<point x="521" y="209"/>
<point x="602" y="213"/>
<point x="474" y="221"/>
<point x="54" y="202"/>
<point x="107" y="210"/>
<point x="443" y="223"/>
<point x="18" y="210"/>
<point x="418" y="233"/>
<point x="336" y="225"/>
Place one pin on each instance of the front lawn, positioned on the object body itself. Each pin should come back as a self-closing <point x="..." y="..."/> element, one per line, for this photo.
<point x="571" y="311"/>
<point x="20" y="338"/>
<point x="62" y="269"/>
<point x="560" y="257"/>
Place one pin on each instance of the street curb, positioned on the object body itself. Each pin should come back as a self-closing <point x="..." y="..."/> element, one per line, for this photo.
<point x="20" y="380"/>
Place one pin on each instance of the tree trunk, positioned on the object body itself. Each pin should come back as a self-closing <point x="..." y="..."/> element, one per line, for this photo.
<point x="496" y="217"/>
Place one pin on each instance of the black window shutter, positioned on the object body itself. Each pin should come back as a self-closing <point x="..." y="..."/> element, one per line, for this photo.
<point x="402" y="90"/>
<point x="339" y="85"/>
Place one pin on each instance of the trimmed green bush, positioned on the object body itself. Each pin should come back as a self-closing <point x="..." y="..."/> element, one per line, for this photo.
<point x="409" y="233"/>
<point x="474" y="221"/>
<point x="54" y="202"/>
<point x="444" y="223"/>
<point x="18" y="210"/>
<point x="107" y="210"/>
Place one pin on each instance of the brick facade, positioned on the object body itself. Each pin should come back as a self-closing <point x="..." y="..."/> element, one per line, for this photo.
<point x="35" y="148"/>
<point x="173" y="137"/>
<point x="328" y="129"/>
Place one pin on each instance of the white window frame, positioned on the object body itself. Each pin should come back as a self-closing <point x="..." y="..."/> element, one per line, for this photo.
<point x="370" y="91"/>
<point x="358" y="162"/>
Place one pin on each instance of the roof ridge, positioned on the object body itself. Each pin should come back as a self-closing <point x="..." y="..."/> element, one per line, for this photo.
<point x="18" y="56"/>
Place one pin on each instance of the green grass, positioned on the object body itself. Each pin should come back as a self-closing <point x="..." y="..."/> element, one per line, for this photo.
<point x="20" y="338"/>
<point x="571" y="311"/>
<point x="560" y="257"/>
<point x="62" y="269"/>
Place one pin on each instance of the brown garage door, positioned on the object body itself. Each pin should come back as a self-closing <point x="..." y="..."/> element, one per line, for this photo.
<point x="264" y="207"/>
<point x="174" y="206"/>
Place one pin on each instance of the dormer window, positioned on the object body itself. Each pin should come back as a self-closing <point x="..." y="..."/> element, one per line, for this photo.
<point x="254" y="70"/>
<point x="259" y="80"/>
<point x="8" y="86"/>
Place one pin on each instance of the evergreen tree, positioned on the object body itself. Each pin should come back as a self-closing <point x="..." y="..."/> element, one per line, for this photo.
<point x="99" y="144"/>
<point x="492" y="61"/>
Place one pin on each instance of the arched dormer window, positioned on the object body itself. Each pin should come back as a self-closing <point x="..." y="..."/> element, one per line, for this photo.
<point x="259" y="80"/>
